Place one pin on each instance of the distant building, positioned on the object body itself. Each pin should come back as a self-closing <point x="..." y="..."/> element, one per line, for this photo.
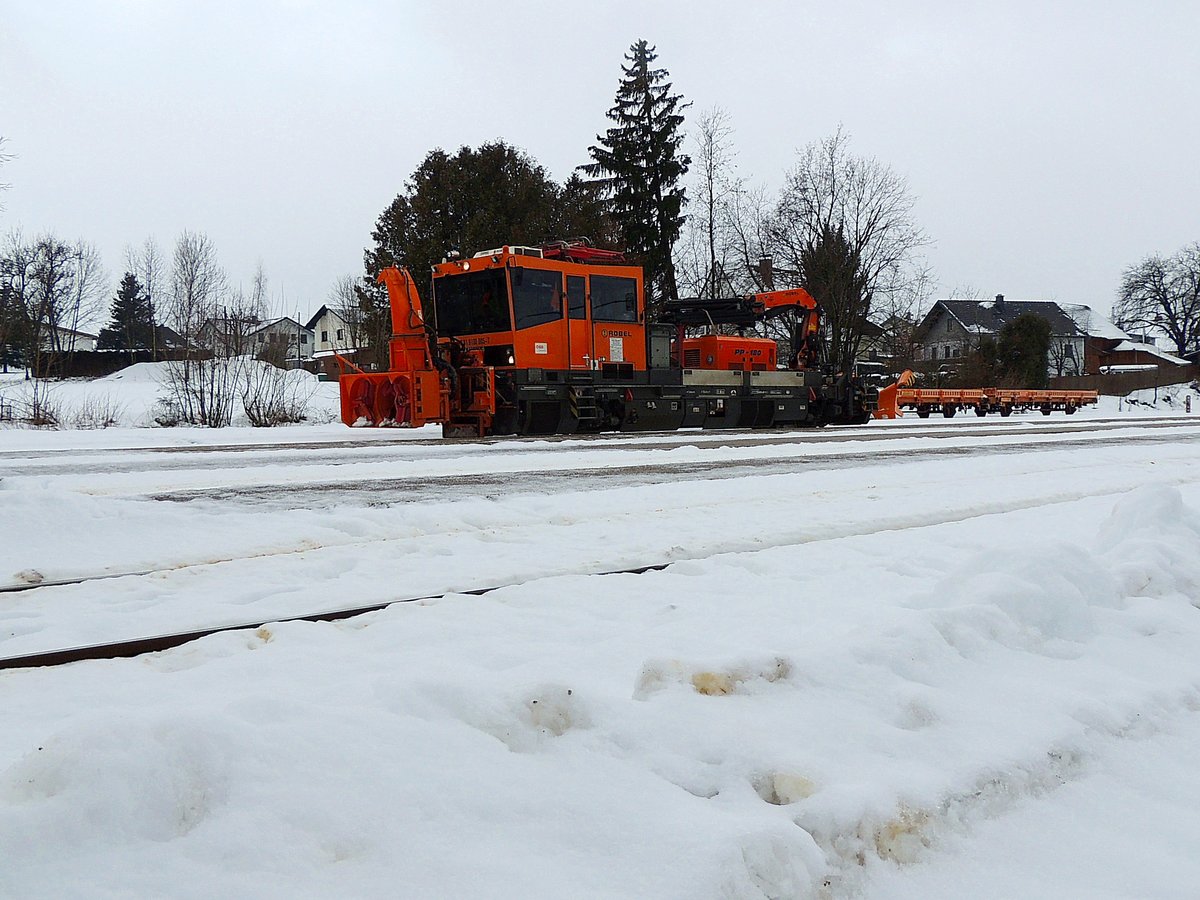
<point x="1107" y="346"/>
<point x="282" y="340"/>
<point x="333" y="336"/>
<point x="67" y="340"/>
<point x="954" y="327"/>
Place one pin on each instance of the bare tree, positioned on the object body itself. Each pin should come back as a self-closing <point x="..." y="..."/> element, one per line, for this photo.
<point x="150" y="266"/>
<point x="42" y="276"/>
<point x="198" y="286"/>
<point x="4" y="157"/>
<point x="1162" y="294"/>
<point x="344" y="300"/>
<point x="201" y="389"/>
<point x="16" y="273"/>
<point x="90" y="287"/>
<point x="845" y="223"/>
<point x="897" y="312"/>
<point x="706" y="245"/>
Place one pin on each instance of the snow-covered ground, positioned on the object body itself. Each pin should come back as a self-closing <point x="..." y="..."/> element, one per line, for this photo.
<point x="934" y="659"/>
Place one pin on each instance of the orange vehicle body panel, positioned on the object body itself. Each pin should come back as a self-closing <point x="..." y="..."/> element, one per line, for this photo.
<point x="562" y="343"/>
<point x="740" y="354"/>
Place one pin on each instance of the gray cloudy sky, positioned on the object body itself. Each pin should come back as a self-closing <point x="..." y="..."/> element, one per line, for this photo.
<point x="1049" y="144"/>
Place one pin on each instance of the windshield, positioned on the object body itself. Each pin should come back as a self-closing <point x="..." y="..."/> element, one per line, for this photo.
<point x="471" y="303"/>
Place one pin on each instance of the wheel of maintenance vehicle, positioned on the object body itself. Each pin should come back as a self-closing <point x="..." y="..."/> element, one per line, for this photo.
<point x="948" y="410"/>
<point x="981" y="409"/>
<point x="923" y="411"/>
<point x="1005" y="411"/>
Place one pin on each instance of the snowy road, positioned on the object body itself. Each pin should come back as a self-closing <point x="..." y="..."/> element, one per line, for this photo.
<point x="874" y="651"/>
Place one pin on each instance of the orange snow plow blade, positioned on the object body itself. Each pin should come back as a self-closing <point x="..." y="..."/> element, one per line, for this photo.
<point x="889" y="397"/>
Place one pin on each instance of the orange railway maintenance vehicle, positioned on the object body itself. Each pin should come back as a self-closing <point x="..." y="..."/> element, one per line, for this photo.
<point x="554" y="340"/>
<point x="948" y="401"/>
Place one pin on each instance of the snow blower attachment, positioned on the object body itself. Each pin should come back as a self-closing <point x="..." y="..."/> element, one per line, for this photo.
<point x="410" y="393"/>
<point x="555" y="340"/>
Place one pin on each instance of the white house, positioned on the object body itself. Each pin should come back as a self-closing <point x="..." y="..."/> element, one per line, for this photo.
<point x="332" y="334"/>
<point x="68" y="340"/>
<point x="284" y="338"/>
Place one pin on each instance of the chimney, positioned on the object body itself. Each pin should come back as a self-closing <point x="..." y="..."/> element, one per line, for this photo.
<point x="999" y="299"/>
<point x="766" y="272"/>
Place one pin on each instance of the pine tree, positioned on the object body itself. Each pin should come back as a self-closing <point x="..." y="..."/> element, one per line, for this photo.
<point x="132" y="326"/>
<point x="640" y="165"/>
<point x="1023" y="349"/>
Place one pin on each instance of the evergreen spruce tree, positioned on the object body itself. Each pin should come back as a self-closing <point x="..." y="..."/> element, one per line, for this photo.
<point x="639" y="164"/>
<point x="132" y="326"/>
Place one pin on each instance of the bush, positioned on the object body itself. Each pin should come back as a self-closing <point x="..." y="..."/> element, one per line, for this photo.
<point x="97" y="411"/>
<point x="274" y="396"/>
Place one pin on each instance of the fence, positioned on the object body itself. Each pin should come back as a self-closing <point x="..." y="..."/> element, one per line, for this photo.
<point x="98" y="363"/>
<point x="1118" y="384"/>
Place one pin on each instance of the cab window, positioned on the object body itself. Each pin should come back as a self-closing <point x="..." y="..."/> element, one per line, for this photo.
<point x="471" y="303"/>
<point x="537" y="296"/>
<point x="614" y="299"/>
<point x="576" y="297"/>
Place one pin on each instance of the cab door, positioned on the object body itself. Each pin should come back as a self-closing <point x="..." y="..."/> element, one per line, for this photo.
<point x="580" y="350"/>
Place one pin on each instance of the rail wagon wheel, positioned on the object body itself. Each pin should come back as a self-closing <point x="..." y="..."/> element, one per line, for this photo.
<point x="923" y="411"/>
<point x="1047" y="409"/>
<point x="402" y="400"/>
<point x="981" y="409"/>
<point x="362" y="399"/>
<point x="948" y="410"/>
<point x="1006" y="411"/>
<point x="384" y="407"/>
<point x="1071" y="408"/>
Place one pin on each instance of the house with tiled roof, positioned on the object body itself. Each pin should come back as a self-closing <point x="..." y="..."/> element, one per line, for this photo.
<point x="954" y="327"/>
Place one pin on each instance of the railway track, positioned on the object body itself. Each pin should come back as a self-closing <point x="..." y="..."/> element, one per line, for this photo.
<point x="117" y="460"/>
<point x="140" y="645"/>
<point x="417" y="488"/>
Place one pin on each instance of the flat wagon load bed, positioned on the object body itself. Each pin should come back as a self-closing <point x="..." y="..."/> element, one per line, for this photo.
<point x="948" y="401"/>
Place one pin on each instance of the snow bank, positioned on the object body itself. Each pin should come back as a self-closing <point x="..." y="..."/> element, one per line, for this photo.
<point x="133" y="397"/>
<point x="776" y="721"/>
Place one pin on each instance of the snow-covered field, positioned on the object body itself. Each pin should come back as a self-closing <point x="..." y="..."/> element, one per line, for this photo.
<point x="941" y="658"/>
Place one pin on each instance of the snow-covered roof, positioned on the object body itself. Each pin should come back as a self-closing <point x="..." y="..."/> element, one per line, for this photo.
<point x="63" y="330"/>
<point x="978" y="316"/>
<point x="1092" y="323"/>
<point x="288" y="320"/>
<point x="1150" y="350"/>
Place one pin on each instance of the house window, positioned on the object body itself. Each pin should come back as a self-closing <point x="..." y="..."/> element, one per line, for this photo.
<point x="262" y="338"/>
<point x="324" y="337"/>
<point x="341" y="334"/>
<point x="303" y="338"/>
<point x="949" y="325"/>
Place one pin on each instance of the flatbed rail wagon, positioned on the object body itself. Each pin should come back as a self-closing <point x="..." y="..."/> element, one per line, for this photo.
<point x="948" y="401"/>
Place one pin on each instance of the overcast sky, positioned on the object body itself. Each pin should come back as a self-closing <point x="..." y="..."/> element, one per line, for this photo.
<point x="1049" y="145"/>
